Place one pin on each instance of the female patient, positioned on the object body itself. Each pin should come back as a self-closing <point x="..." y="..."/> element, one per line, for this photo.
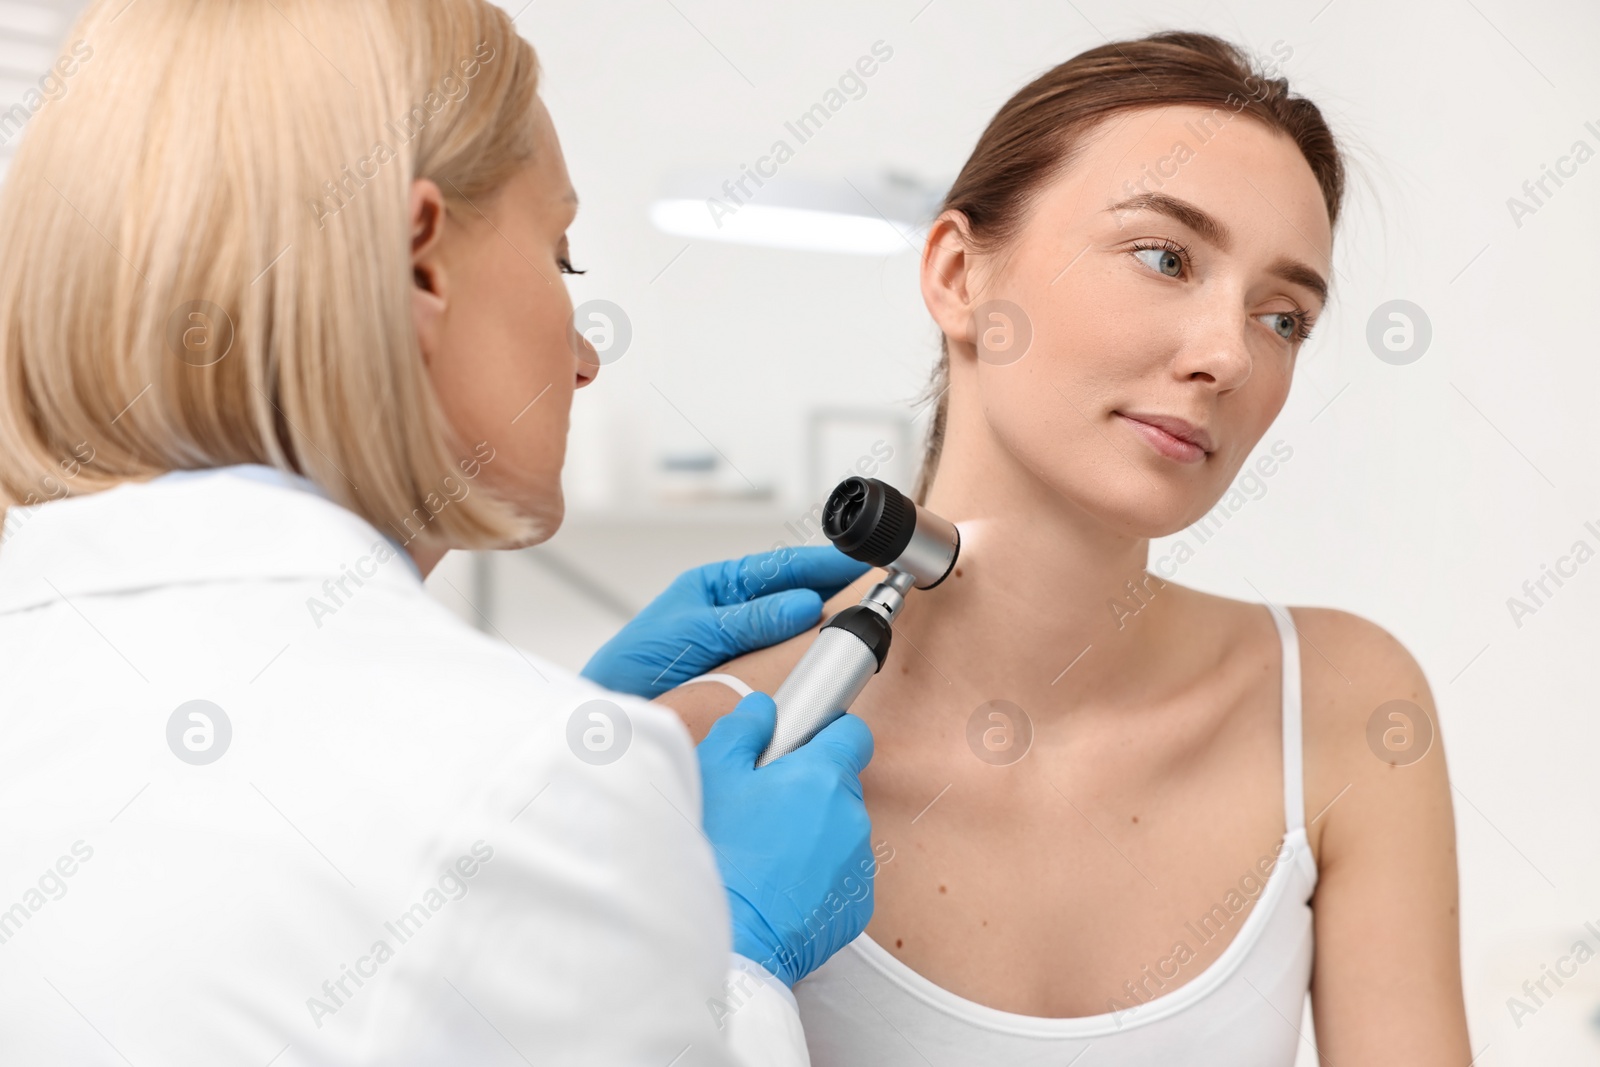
<point x="1137" y="851"/>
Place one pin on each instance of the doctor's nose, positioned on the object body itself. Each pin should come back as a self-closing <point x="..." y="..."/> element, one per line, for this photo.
<point x="588" y="362"/>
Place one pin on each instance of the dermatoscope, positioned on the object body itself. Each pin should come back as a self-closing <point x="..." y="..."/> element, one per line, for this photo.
<point x="871" y="521"/>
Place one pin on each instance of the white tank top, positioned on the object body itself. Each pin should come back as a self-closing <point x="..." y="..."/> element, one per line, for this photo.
<point x="864" y="1008"/>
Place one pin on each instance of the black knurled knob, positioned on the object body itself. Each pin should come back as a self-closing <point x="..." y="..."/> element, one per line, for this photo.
<point x="869" y="520"/>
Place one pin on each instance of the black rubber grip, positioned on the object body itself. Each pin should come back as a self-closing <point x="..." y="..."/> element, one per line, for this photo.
<point x="873" y="629"/>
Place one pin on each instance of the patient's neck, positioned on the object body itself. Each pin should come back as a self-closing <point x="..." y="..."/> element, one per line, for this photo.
<point x="1049" y="604"/>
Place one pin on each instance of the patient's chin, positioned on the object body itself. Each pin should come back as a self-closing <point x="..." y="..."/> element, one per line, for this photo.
<point x="1140" y="509"/>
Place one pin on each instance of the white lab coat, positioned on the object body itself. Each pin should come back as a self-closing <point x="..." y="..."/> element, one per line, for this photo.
<point x="398" y="858"/>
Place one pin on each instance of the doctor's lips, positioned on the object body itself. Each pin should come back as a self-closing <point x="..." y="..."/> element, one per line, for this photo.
<point x="1171" y="436"/>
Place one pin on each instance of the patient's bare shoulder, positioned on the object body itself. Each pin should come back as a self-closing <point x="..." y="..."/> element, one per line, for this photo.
<point x="703" y="703"/>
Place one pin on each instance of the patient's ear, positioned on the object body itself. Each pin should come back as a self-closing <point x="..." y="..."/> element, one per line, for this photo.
<point x="948" y="281"/>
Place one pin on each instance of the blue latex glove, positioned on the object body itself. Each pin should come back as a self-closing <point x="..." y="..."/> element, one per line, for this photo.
<point x="714" y="613"/>
<point x="792" y="839"/>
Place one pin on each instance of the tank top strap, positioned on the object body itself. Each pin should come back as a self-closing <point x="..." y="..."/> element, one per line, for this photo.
<point x="1294" y="804"/>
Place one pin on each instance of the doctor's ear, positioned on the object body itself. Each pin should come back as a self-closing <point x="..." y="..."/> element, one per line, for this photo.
<point x="950" y="285"/>
<point x="427" y="222"/>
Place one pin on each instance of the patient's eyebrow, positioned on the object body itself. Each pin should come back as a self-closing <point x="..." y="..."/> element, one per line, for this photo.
<point x="1198" y="220"/>
<point x="1291" y="270"/>
<point x="1212" y="229"/>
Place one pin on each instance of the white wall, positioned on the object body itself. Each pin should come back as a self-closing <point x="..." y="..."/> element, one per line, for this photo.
<point x="30" y="38"/>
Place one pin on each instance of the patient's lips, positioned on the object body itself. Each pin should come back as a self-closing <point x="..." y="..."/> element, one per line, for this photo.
<point x="1170" y="436"/>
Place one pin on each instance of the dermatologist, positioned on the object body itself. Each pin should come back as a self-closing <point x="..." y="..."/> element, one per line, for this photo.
<point x="281" y="323"/>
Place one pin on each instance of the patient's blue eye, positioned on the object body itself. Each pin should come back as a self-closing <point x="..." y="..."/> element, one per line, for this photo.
<point x="1286" y="324"/>
<point x="1163" y="260"/>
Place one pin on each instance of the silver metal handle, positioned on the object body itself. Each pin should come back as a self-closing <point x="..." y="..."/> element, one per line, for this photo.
<point x="822" y="686"/>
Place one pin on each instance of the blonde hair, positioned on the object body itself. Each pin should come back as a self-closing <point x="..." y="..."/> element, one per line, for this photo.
<point x="207" y="247"/>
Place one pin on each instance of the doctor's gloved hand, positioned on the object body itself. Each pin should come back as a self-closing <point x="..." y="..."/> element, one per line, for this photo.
<point x="714" y="613"/>
<point x="792" y="839"/>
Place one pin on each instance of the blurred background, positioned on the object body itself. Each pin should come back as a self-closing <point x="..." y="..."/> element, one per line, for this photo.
<point x="1432" y="474"/>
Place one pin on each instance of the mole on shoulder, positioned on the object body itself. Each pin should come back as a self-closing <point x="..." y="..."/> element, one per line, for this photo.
<point x="1136" y="818"/>
<point x="942" y="889"/>
<point x="898" y="943"/>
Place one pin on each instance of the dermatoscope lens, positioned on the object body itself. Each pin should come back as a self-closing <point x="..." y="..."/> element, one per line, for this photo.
<point x="869" y="520"/>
